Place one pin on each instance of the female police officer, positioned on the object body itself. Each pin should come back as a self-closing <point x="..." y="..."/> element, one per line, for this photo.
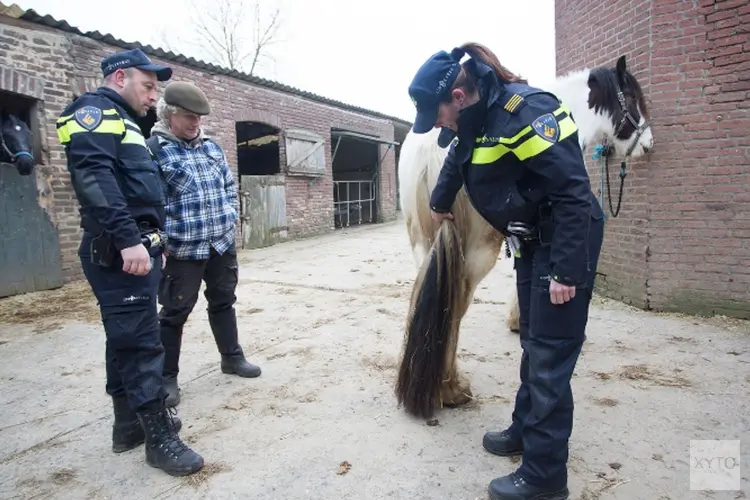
<point x="517" y="154"/>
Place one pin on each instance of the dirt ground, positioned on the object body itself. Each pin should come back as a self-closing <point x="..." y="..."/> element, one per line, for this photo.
<point x="324" y="318"/>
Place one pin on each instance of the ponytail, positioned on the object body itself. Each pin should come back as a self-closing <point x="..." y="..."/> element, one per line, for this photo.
<point x="485" y="55"/>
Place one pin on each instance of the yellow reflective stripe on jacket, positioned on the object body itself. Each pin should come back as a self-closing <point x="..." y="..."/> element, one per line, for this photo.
<point x="67" y="130"/>
<point x="133" y="137"/>
<point x="529" y="148"/>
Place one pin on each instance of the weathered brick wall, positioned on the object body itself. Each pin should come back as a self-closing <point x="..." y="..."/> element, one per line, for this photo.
<point x="57" y="57"/>
<point x="682" y="240"/>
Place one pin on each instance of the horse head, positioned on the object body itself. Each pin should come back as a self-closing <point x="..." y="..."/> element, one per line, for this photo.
<point x="15" y="143"/>
<point x="616" y="94"/>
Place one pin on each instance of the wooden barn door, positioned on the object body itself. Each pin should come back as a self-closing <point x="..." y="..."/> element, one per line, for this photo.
<point x="263" y="199"/>
<point x="29" y="247"/>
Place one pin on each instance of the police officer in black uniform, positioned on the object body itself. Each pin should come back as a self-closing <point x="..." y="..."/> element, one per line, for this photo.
<point x="120" y="192"/>
<point x="515" y="150"/>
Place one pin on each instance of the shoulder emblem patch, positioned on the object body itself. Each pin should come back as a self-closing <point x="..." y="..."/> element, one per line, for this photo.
<point x="514" y="101"/>
<point x="88" y="117"/>
<point x="547" y="128"/>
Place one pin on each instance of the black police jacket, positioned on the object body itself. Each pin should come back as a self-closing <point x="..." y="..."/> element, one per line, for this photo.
<point x="118" y="185"/>
<point x="523" y="153"/>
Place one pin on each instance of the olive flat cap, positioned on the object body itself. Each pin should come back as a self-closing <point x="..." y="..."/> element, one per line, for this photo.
<point x="187" y="96"/>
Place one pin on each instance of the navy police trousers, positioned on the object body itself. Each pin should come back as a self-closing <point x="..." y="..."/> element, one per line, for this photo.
<point x="551" y="338"/>
<point x="134" y="353"/>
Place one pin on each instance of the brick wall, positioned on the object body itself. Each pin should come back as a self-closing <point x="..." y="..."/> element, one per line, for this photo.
<point x="682" y="239"/>
<point x="62" y="60"/>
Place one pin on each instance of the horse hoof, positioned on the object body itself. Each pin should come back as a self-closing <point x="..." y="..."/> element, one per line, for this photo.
<point x="459" y="399"/>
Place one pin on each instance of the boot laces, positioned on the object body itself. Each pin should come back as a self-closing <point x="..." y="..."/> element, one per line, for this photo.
<point x="518" y="481"/>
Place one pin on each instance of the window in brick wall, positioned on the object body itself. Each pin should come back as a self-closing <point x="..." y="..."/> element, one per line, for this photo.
<point x="257" y="148"/>
<point x="27" y="109"/>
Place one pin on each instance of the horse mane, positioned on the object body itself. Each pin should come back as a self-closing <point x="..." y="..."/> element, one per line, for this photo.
<point x="607" y="85"/>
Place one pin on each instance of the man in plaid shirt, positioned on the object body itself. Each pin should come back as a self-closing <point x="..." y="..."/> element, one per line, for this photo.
<point x="201" y="214"/>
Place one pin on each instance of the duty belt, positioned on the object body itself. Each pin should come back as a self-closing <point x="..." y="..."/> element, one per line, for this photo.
<point x="521" y="232"/>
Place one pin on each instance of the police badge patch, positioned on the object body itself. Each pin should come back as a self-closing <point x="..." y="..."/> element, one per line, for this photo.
<point x="547" y="128"/>
<point x="88" y="117"/>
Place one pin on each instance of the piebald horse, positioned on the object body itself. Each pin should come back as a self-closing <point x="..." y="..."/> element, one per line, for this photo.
<point x="453" y="257"/>
<point x="15" y="143"/>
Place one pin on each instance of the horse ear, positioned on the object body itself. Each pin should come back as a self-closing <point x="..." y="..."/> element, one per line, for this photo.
<point x="621" y="66"/>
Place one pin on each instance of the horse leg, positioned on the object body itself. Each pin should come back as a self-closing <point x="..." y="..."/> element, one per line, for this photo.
<point x="514" y="314"/>
<point x="456" y="387"/>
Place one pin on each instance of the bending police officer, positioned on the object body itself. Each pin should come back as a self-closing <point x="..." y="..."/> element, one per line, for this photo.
<point x="120" y="193"/>
<point x="517" y="154"/>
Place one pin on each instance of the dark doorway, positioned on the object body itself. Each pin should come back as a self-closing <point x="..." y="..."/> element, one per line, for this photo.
<point x="257" y="148"/>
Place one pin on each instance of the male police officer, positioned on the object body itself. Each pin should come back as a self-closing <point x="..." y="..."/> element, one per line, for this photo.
<point x="121" y="197"/>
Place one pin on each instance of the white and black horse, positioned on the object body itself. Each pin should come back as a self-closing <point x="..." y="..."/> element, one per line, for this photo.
<point x="15" y="143"/>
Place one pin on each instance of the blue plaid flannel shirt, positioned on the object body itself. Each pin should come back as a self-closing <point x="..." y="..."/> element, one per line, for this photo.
<point x="201" y="198"/>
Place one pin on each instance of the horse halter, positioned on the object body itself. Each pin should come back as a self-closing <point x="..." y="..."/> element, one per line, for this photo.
<point x="626" y="116"/>
<point x="13" y="156"/>
<point x="639" y="129"/>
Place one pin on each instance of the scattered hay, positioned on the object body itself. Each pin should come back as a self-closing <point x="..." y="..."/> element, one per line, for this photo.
<point x="492" y="399"/>
<point x="49" y="309"/>
<point x="677" y="339"/>
<point x="208" y="470"/>
<point x="602" y="375"/>
<point x="643" y="372"/>
<point x="63" y="476"/>
<point x="380" y="363"/>
<point x="605" y="402"/>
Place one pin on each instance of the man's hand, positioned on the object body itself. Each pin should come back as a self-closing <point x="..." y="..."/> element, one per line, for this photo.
<point x="559" y="294"/>
<point x="136" y="260"/>
<point x="440" y="217"/>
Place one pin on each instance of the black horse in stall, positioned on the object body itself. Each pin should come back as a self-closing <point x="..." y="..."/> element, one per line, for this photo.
<point x="15" y="143"/>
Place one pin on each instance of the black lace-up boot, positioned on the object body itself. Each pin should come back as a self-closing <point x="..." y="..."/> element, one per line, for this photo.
<point x="127" y="432"/>
<point x="164" y="449"/>
<point x="502" y="443"/>
<point x="514" y="487"/>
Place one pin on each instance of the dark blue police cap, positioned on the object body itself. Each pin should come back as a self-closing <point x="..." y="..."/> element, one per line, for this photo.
<point x="431" y="85"/>
<point x="134" y="59"/>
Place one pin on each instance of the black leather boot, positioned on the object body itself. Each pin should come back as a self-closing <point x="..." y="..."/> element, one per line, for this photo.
<point x="513" y="487"/>
<point x="502" y="444"/>
<point x="164" y="448"/>
<point x="224" y="327"/>
<point x="173" y="391"/>
<point x="127" y="432"/>
<point x="236" y="364"/>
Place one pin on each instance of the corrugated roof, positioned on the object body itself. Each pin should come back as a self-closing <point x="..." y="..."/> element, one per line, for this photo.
<point x="32" y="16"/>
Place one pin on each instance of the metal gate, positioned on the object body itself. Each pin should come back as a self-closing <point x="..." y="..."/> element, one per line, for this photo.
<point x="29" y="245"/>
<point x="354" y="202"/>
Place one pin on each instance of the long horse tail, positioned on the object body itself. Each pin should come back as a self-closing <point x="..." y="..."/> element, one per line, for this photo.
<point x="432" y="325"/>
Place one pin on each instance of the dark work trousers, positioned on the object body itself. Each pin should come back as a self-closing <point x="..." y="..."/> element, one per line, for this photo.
<point x="552" y="336"/>
<point x="178" y="294"/>
<point x="134" y="353"/>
